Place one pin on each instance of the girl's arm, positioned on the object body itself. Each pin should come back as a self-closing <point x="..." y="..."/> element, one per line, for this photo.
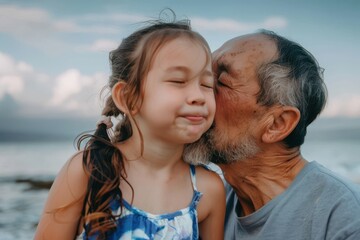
<point x="212" y="204"/>
<point x="62" y="210"/>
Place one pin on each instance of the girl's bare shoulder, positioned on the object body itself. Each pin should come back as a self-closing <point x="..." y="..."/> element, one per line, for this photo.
<point x="209" y="181"/>
<point x="212" y="202"/>
<point x="72" y="179"/>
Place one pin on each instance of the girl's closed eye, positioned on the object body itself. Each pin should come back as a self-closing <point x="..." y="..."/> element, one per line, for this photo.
<point x="177" y="81"/>
<point x="208" y="83"/>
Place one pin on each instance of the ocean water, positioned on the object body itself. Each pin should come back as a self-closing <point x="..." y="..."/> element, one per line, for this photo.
<point x="21" y="206"/>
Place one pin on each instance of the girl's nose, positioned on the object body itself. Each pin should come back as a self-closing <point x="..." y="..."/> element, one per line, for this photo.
<point x="196" y="95"/>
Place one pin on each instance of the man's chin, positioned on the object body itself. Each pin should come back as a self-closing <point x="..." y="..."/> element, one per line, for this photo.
<point x="225" y="151"/>
<point x="197" y="152"/>
<point x="217" y="158"/>
<point x="217" y="155"/>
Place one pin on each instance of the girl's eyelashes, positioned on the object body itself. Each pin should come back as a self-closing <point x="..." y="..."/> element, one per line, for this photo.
<point x="207" y="83"/>
<point x="208" y="80"/>
<point x="177" y="81"/>
<point x="207" y="86"/>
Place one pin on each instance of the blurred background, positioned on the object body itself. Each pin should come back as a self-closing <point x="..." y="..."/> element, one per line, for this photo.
<point x="54" y="63"/>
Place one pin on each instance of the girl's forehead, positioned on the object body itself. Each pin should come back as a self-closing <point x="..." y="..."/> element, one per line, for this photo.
<point x="174" y="49"/>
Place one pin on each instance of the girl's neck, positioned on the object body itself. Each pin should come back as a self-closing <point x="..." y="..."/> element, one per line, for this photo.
<point x="153" y="174"/>
<point x="151" y="154"/>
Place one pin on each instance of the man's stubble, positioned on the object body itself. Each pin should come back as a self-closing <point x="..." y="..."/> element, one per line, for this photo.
<point x="215" y="147"/>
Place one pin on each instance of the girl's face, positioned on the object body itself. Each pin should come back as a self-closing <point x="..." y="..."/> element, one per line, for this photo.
<point x="178" y="104"/>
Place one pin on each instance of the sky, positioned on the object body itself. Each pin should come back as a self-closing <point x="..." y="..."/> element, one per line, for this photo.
<point x="54" y="54"/>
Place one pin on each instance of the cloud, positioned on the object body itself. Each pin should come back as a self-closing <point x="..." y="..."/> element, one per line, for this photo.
<point x="73" y="27"/>
<point x="21" y="83"/>
<point x="77" y="93"/>
<point x="25" y="23"/>
<point x="11" y="76"/>
<point x="103" y="45"/>
<point x="67" y="84"/>
<point x="7" y="64"/>
<point x="11" y="84"/>
<point x="228" y="25"/>
<point x="116" y="17"/>
<point x="274" y="23"/>
<point x="24" y="67"/>
<point x="36" y="94"/>
<point x="32" y="22"/>
<point x="8" y="106"/>
<point x="348" y="106"/>
<point x="39" y="28"/>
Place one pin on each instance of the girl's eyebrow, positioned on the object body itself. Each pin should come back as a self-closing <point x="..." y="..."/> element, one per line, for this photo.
<point x="187" y="70"/>
<point x="177" y="68"/>
<point x="207" y="73"/>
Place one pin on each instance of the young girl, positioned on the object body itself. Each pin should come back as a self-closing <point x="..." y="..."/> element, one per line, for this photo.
<point x="136" y="184"/>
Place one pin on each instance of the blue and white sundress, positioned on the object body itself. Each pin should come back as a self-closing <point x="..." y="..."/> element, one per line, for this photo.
<point x="137" y="224"/>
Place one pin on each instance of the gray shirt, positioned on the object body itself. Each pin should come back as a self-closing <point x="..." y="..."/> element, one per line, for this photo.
<point x="317" y="205"/>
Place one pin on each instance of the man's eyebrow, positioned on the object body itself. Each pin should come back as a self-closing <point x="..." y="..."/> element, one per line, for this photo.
<point x="223" y="67"/>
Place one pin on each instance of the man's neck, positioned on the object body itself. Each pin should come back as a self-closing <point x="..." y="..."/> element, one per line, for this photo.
<point x="258" y="180"/>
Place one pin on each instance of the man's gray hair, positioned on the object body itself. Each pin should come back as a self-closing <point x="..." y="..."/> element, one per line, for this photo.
<point x="293" y="79"/>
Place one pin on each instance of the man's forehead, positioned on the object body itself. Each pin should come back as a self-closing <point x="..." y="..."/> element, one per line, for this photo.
<point x="254" y="46"/>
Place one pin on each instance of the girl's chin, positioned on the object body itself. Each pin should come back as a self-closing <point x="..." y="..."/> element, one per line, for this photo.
<point x="193" y="138"/>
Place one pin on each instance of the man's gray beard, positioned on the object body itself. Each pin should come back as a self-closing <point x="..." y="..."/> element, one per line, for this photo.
<point x="198" y="152"/>
<point x="204" y="150"/>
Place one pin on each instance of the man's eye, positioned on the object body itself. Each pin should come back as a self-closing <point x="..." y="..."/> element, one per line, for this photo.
<point x="224" y="80"/>
<point x="221" y="84"/>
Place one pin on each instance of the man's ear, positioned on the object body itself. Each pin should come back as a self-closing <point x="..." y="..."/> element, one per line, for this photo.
<point x="118" y="97"/>
<point x="281" y="123"/>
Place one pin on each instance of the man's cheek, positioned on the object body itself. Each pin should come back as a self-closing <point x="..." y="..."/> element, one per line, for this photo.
<point x="225" y="110"/>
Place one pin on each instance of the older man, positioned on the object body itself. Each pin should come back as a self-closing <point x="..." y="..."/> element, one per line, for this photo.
<point x="269" y="90"/>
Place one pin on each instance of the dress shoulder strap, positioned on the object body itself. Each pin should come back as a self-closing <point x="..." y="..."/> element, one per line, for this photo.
<point x="193" y="176"/>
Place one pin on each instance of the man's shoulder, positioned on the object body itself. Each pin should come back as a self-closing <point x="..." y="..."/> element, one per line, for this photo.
<point x="332" y="186"/>
<point x="343" y="196"/>
<point x="326" y="176"/>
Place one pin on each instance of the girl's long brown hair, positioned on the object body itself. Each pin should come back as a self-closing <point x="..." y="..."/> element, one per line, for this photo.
<point x="102" y="161"/>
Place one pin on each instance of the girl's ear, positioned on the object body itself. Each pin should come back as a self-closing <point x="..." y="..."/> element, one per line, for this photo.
<point x="281" y="123"/>
<point x="118" y="97"/>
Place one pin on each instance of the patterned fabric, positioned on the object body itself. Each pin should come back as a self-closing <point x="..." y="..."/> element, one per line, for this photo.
<point x="137" y="224"/>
